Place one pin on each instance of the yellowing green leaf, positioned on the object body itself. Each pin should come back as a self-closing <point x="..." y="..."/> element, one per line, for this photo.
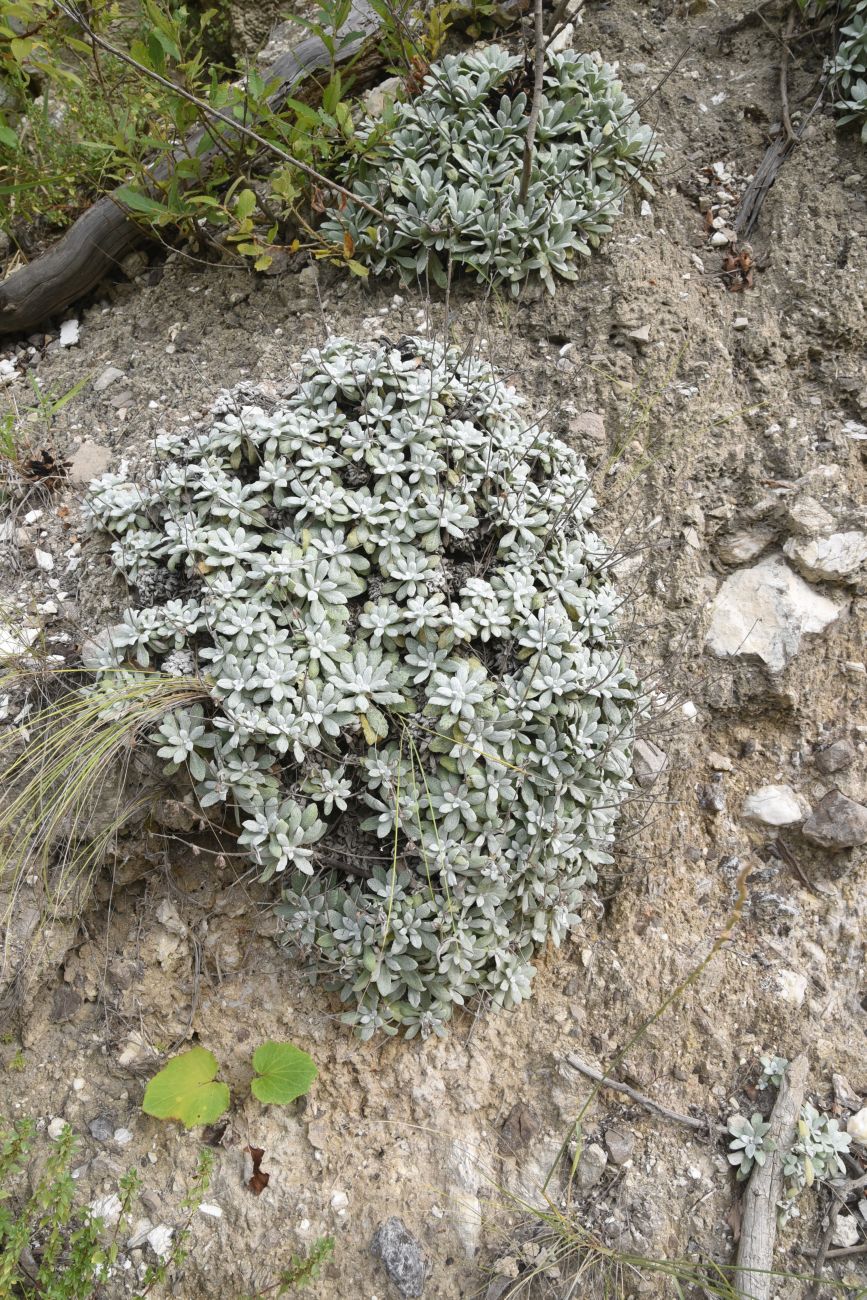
<point x="186" y="1090"/>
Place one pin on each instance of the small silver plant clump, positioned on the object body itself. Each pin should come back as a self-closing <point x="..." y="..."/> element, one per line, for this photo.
<point x="448" y="175"/>
<point x="419" y="713"/>
<point x="816" y="1153"/>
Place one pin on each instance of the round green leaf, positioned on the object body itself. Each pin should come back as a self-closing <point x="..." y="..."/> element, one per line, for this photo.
<point x="284" y="1072"/>
<point x="186" y="1090"/>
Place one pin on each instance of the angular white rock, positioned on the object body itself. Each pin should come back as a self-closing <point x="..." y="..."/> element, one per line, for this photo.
<point x="775" y="805"/>
<point x="763" y="612"/>
<point x="160" y="1240"/>
<point x="857" y="1126"/>
<point x="107" y="1208"/>
<point x="792" y="987"/>
<point x="56" y="1127"/>
<point x="829" y="559"/>
<point x="846" y="1231"/>
<point x="69" y="333"/>
<point x="44" y="560"/>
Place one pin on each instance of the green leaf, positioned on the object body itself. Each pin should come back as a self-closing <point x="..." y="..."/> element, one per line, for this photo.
<point x="283" y="1072"/>
<point x="357" y="268"/>
<point x="185" y="1090"/>
<point x="141" y="202"/>
<point x="245" y="204"/>
<point x="8" y="136"/>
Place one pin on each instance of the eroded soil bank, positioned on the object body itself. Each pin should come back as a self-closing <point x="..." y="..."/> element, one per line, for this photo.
<point x="716" y="423"/>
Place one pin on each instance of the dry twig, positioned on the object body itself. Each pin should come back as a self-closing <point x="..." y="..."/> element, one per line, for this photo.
<point x="700" y="1125"/>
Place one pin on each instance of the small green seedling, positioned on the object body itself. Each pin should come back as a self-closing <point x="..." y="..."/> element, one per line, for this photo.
<point x="187" y="1088"/>
<point x="283" y="1072"/>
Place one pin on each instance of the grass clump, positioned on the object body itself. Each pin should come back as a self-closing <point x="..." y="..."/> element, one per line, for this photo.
<point x="448" y="176"/>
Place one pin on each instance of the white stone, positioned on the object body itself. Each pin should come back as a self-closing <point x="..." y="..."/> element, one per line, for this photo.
<point x="792" y="987"/>
<point x="339" y="1202"/>
<point x="44" y="560"/>
<point x="56" y="1127"/>
<point x="857" y="1126"/>
<point x="829" y="559"/>
<point x="374" y="100"/>
<point x="69" y="333"/>
<point x="213" y="1211"/>
<point x="160" y="1240"/>
<point x="14" y="642"/>
<point x="107" y="1208"/>
<point x="7" y="371"/>
<point x="562" y="41"/>
<point x="122" y="1137"/>
<point x="139" y="1234"/>
<point x="763" y="612"/>
<point x="689" y="710"/>
<point x="846" y="1231"/>
<point x="775" y="805"/>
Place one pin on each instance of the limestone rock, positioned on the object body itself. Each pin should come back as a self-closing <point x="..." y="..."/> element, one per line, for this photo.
<point x="648" y="762"/>
<point x="837" y="558"/>
<point x="89" y="461"/>
<point x="402" y="1256"/>
<point x="620" y="1143"/>
<point x="591" y="1166"/>
<point x="744" y="545"/>
<point x="761" y="614"/>
<point x="846" y="1231"/>
<point x="837" y="823"/>
<point x="775" y="805"/>
<point x="857" y="1126"/>
<point x="805" y="517"/>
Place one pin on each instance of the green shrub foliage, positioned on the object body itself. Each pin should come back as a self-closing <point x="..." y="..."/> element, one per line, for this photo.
<point x="449" y="175"/>
<point x="419" y="712"/>
<point x="849" y="67"/>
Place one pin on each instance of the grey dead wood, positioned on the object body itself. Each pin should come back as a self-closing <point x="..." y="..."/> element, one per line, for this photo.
<point x="753" y="1273"/>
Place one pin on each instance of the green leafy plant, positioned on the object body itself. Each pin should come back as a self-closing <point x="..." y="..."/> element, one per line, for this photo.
<point x="448" y="176"/>
<point x="121" y="92"/>
<point x="301" y="1270"/>
<point x="186" y="1089"/>
<point x="53" y="1246"/>
<point x="409" y="639"/>
<point x="847" y="70"/>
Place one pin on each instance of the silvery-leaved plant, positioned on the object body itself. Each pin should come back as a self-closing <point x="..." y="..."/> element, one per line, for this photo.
<point x="448" y="175"/>
<point x="419" y="717"/>
<point x="749" y="1143"/>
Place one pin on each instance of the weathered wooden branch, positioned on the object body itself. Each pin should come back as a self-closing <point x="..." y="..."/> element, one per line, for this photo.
<point x="753" y="1273"/>
<point x="102" y="235"/>
<point x="700" y="1125"/>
